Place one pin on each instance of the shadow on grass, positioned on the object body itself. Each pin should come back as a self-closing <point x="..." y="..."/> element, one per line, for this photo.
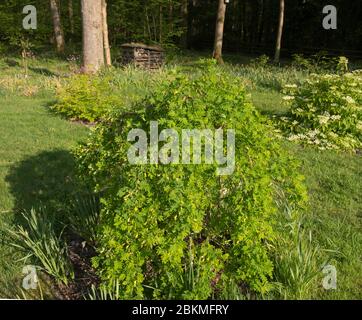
<point x="46" y="180"/>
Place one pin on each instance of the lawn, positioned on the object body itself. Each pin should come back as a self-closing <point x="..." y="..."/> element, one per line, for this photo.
<point x="35" y="165"/>
<point x="334" y="182"/>
<point x="36" y="168"/>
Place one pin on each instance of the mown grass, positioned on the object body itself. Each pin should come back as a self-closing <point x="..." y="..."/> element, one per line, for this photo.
<point x="334" y="216"/>
<point x="35" y="164"/>
<point x="36" y="167"/>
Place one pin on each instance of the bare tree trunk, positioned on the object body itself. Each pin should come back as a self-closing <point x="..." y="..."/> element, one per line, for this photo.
<point x="170" y="16"/>
<point x="260" y="21"/>
<point x="93" y="54"/>
<point x="107" y="49"/>
<point x="219" y="32"/>
<point x="280" y="31"/>
<point x="58" y="30"/>
<point x="71" y="16"/>
<point x="242" y="18"/>
<point x="161" y="23"/>
<point x="148" y="25"/>
<point x="155" y="35"/>
<point x="184" y="14"/>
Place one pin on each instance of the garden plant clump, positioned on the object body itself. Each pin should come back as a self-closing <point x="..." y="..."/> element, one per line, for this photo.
<point x="326" y="111"/>
<point x="181" y="231"/>
<point x="86" y="98"/>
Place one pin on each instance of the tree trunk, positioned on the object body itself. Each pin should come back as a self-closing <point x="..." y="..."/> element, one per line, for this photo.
<point x="58" y="30"/>
<point x="148" y="25"/>
<point x="161" y="24"/>
<point x="71" y="16"/>
<point x="219" y="32"/>
<point x="242" y="19"/>
<point x="93" y="54"/>
<point x="260" y="21"/>
<point x="280" y="31"/>
<point x="170" y="16"/>
<point x="107" y="49"/>
<point x="184" y="15"/>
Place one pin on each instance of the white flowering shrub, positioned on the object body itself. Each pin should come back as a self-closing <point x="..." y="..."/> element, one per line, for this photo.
<point x="326" y="111"/>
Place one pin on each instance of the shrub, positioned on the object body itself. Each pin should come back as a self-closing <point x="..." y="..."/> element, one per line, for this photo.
<point x="90" y="98"/>
<point x="326" y="111"/>
<point x="320" y="63"/>
<point x="261" y="61"/>
<point x="84" y="97"/>
<point x="181" y="231"/>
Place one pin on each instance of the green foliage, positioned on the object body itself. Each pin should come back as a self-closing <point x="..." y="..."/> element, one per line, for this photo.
<point x="38" y="239"/>
<point x="83" y="216"/>
<point x="261" y="61"/>
<point x="86" y="97"/>
<point x="180" y="231"/>
<point x="321" y="63"/>
<point x="260" y="74"/>
<point x="90" y="98"/>
<point x="152" y="21"/>
<point x="335" y="206"/>
<point x="326" y="111"/>
<point x="231" y="291"/>
<point x="104" y="292"/>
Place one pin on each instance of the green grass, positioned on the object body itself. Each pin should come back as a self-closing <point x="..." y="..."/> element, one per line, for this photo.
<point x="334" y="217"/>
<point x="335" y="187"/>
<point x="36" y="168"/>
<point x="268" y="102"/>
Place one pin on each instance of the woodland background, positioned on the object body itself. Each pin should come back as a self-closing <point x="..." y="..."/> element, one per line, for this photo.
<point x="250" y="25"/>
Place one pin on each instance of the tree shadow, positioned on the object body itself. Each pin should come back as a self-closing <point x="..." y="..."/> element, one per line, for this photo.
<point x="45" y="181"/>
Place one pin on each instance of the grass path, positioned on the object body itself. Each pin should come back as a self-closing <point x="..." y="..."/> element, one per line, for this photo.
<point x="34" y="158"/>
